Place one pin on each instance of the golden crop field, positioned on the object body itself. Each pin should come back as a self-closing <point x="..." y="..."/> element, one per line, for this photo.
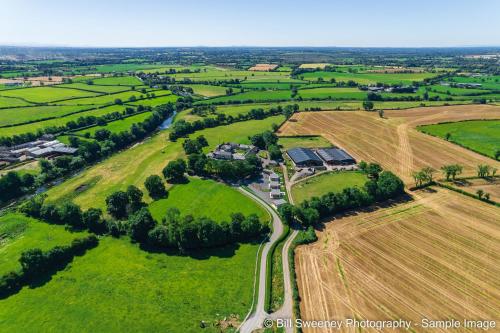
<point x="393" y="140"/>
<point x="433" y="257"/>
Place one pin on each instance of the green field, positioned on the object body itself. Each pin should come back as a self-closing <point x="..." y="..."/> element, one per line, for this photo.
<point x="117" y="287"/>
<point x="7" y="102"/>
<point x="368" y="78"/>
<point x="267" y="95"/>
<point x="334" y="93"/>
<point x="206" y="90"/>
<point x="96" y="88"/>
<point x="118" y="81"/>
<point x="207" y="198"/>
<point x="155" y="101"/>
<point x="327" y="182"/>
<point x="117" y="125"/>
<point x="288" y="142"/>
<point x="109" y="99"/>
<point x="134" y="165"/>
<point x="33" y="127"/>
<point x="46" y="94"/>
<point x="26" y="114"/>
<point x="482" y="136"/>
<point x="19" y="233"/>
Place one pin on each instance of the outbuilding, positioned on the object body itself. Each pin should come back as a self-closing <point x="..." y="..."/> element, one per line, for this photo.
<point x="336" y="156"/>
<point x="304" y="157"/>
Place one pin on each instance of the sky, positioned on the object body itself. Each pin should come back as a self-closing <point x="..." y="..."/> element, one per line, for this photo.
<point x="148" y="23"/>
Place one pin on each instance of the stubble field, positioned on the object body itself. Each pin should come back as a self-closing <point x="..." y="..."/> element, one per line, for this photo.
<point x="433" y="257"/>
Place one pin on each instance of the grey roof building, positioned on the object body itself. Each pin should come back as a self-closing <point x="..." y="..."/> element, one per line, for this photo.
<point x="336" y="156"/>
<point x="303" y="157"/>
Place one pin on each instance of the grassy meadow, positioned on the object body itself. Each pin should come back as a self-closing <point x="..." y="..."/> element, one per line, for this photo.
<point x="326" y="182"/>
<point x="482" y="136"/>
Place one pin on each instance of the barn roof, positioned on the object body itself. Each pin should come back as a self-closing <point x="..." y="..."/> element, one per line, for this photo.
<point x="334" y="154"/>
<point x="300" y="155"/>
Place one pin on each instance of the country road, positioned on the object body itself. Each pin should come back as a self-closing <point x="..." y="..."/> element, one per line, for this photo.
<point x="255" y="320"/>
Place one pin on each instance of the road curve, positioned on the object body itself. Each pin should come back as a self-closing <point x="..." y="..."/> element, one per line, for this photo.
<point x="255" y="320"/>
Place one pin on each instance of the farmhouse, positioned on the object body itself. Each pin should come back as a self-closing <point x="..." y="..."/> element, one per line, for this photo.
<point x="231" y="151"/>
<point x="336" y="156"/>
<point x="303" y="157"/>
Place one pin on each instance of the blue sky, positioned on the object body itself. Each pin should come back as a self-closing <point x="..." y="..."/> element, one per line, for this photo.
<point x="251" y="23"/>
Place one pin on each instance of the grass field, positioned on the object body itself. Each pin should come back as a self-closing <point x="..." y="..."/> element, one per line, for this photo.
<point x="26" y="114"/>
<point x="134" y="165"/>
<point x="326" y="182"/>
<point x="19" y="233"/>
<point x="207" y="198"/>
<point x="7" y="102"/>
<point x="118" y="81"/>
<point x="393" y="140"/>
<point x="480" y="135"/>
<point x="46" y="94"/>
<point x="434" y="257"/>
<point x="368" y="78"/>
<point x="96" y="88"/>
<point x="33" y="127"/>
<point x="117" y="125"/>
<point x="206" y="90"/>
<point x="267" y="95"/>
<point x="334" y="93"/>
<point x="156" y="101"/>
<point x="117" y="287"/>
<point x="107" y="99"/>
<point x="303" y="141"/>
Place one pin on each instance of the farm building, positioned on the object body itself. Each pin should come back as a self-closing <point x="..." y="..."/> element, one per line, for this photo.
<point x="279" y="202"/>
<point x="275" y="194"/>
<point x="35" y="149"/>
<point x="303" y="157"/>
<point x="336" y="156"/>
<point x="274" y="185"/>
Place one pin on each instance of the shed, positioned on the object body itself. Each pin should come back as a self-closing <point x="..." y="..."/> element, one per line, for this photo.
<point x="303" y="157"/>
<point x="336" y="156"/>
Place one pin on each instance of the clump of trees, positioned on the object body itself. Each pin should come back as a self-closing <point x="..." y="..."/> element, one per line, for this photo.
<point x="485" y="171"/>
<point x="382" y="186"/>
<point x="451" y="171"/>
<point x="13" y="185"/>
<point x="269" y="141"/>
<point x="424" y="176"/>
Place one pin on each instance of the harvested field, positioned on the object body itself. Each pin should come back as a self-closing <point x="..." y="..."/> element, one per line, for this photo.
<point x="434" y="257"/>
<point x="314" y="65"/>
<point x="489" y="185"/>
<point x="393" y="141"/>
<point x="263" y="67"/>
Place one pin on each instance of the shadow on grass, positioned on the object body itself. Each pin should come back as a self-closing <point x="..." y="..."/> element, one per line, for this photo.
<point x="224" y="251"/>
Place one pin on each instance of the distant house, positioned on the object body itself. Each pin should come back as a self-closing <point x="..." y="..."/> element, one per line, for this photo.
<point x="304" y="157"/>
<point x="221" y="155"/>
<point x="275" y="194"/>
<point x="336" y="156"/>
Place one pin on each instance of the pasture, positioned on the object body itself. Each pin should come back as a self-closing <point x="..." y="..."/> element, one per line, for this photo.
<point x="109" y="99"/>
<point x="20" y="233"/>
<point x="27" y="114"/>
<point x="393" y="140"/>
<point x="323" y="183"/>
<point x="7" y="102"/>
<point x="33" y="127"/>
<point x="441" y="247"/>
<point x="267" y="95"/>
<point x="46" y="94"/>
<point x="333" y="93"/>
<point x="115" y="126"/>
<point x="118" y="287"/>
<point x="368" y="78"/>
<point x="482" y="136"/>
<point x="206" y="198"/>
<point x="164" y="99"/>
<point x="96" y="88"/>
<point x="206" y="90"/>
